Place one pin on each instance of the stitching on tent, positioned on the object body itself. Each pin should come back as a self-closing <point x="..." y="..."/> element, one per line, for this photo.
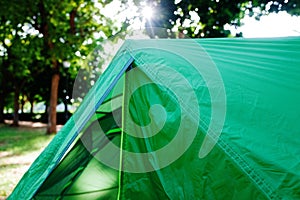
<point x="236" y="158"/>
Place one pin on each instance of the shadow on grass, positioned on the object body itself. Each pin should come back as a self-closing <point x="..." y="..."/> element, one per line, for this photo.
<point x="19" y="147"/>
<point x="21" y="140"/>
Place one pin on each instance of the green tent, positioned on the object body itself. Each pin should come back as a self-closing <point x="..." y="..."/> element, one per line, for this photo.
<point x="181" y="119"/>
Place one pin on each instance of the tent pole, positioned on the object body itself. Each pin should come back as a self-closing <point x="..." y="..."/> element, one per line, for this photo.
<point x="122" y="139"/>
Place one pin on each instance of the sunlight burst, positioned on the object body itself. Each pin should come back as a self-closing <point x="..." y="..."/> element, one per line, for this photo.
<point x="147" y="12"/>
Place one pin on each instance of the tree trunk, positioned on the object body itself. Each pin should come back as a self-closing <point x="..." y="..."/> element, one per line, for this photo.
<point x="46" y="108"/>
<point x="16" y="107"/>
<point x="31" y="107"/>
<point x="49" y="50"/>
<point x="2" y="108"/>
<point x="66" y="111"/>
<point x="22" y="105"/>
<point x="3" y="91"/>
<point x="53" y="103"/>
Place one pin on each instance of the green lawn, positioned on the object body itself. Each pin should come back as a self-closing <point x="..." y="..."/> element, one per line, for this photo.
<point x="19" y="146"/>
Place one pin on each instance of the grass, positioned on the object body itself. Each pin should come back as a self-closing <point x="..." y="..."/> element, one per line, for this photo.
<point x="19" y="146"/>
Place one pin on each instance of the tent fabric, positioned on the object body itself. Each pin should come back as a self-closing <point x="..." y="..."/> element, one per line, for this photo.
<point x="159" y="114"/>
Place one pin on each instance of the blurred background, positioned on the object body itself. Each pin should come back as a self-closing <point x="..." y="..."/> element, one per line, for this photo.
<point x="44" y="44"/>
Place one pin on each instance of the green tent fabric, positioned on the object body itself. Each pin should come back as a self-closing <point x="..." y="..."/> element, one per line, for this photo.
<point x="181" y="119"/>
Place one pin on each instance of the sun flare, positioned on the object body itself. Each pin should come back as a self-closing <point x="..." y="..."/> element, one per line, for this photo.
<point x="147" y="12"/>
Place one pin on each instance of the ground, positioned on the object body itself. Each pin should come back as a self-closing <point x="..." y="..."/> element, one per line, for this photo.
<point x="19" y="147"/>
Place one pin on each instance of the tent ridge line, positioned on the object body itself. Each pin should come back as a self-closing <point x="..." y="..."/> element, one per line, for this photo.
<point x="79" y="128"/>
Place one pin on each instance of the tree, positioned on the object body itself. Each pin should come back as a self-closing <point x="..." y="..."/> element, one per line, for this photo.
<point x="290" y="6"/>
<point x="36" y="88"/>
<point x="4" y="85"/>
<point x="61" y="31"/>
<point x="20" y="47"/>
<point x="67" y="28"/>
<point x="206" y="18"/>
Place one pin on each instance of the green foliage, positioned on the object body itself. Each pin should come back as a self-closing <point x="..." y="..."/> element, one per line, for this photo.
<point x="206" y="18"/>
<point x="291" y="6"/>
<point x="36" y="34"/>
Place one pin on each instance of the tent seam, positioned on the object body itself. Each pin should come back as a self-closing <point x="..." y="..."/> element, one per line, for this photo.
<point x="240" y="162"/>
